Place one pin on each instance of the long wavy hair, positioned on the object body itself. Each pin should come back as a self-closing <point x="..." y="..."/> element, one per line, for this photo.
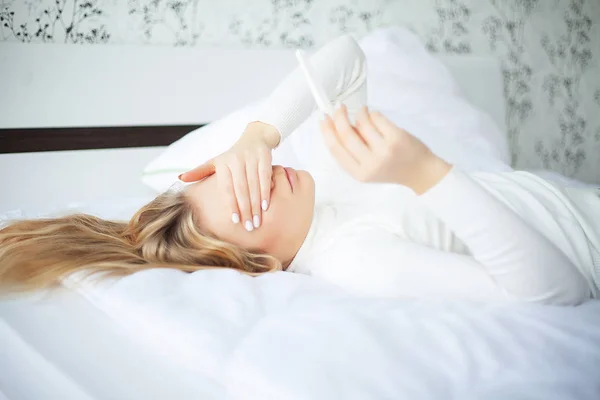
<point x="39" y="254"/>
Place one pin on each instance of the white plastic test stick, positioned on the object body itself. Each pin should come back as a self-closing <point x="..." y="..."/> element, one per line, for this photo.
<point x="314" y="84"/>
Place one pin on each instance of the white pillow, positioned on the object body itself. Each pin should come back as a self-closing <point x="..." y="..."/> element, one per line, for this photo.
<point x="411" y="87"/>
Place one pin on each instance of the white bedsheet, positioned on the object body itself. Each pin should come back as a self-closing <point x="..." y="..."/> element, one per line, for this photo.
<point x="221" y="335"/>
<point x="286" y="336"/>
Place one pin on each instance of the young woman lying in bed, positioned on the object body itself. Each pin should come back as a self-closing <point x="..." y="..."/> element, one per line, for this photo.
<point x="433" y="232"/>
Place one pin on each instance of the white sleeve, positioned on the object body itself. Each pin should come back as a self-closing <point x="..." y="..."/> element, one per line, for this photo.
<point x="339" y="65"/>
<point x="522" y="261"/>
<point x="377" y="263"/>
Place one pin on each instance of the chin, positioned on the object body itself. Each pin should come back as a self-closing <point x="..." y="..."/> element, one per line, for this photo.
<point x="307" y="179"/>
<point x="305" y="176"/>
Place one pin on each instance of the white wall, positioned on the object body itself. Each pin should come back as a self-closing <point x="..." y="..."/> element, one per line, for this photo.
<point x="52" y="181"/>
<point x="62" y="85"/>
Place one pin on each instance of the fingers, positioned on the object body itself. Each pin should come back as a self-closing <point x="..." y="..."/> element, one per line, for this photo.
<point x="386" y="127"/>
<point x="225" y="182"/>
<point x="367" y="130"/>
<point x="240" y="187"/>
<point x="348" y="136"/>
<point x="254" y="191"/>
<point x="258" y="176"/>
<point x="336" y="148"/>
<point x="199" y="172"/>
<point x="265" y="174"/>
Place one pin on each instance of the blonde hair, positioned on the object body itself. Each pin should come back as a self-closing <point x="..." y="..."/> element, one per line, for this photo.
<point x="38" y="254"/>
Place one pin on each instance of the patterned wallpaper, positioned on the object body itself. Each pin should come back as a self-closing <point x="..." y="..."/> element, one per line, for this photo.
<point x="549" y="49"/>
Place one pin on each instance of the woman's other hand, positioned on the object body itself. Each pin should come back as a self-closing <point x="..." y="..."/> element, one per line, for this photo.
<point x="244" y="174"/>
<point x="376" y="150"/>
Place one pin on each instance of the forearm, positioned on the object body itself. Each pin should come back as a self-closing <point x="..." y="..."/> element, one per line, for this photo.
<point x="370" y="266"/>
<point x="341" y="68"/>
<point x="519" y="258"/>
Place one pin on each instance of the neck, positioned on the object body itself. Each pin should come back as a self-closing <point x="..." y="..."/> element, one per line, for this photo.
<point x="323" y="221"/>
<point x="295" y="243"/>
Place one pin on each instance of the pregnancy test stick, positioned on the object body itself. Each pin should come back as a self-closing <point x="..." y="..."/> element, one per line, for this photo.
<point x="315" y="86"/>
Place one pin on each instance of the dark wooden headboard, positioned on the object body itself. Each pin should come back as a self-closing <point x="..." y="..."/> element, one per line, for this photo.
<point x="54" y="139"/>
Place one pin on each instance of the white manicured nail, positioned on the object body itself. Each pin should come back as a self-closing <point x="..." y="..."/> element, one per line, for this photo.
<point x="264" y="205"/>
<point x="249" y="226"/>
<point x="235" y="218"/>
<point x="256" y="221"/>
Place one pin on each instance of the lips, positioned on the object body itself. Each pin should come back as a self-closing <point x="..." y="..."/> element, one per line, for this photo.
<point x="291" y="176"/>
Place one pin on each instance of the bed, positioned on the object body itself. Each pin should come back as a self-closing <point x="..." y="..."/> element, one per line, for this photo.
<point x="217" y="334"/>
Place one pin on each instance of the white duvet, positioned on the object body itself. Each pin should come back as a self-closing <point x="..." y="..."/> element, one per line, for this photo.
<point x="286" y="336"/>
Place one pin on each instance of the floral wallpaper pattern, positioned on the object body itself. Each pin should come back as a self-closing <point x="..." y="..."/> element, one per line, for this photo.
<point x="549" y="49"/>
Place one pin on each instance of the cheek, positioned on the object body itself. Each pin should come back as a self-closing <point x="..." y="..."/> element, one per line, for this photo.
<point x="275" y="222"/>
<point x="279" y="212"/>
<point x="263" y="238"/>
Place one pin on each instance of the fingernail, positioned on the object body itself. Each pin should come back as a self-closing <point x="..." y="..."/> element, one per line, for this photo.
<point x="235" y="218"/>
<point x="264" y="205"/>
<point x="256" y="221"/>
<point x="249" y="226"/>
<point x="179" y="176"/>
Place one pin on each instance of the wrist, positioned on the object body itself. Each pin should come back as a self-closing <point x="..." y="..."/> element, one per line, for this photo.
<point x="428" y="173"/>
<point x="260" y="131"/>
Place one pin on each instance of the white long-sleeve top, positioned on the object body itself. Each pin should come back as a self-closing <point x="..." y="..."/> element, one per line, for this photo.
<point x="471" y="237"/>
